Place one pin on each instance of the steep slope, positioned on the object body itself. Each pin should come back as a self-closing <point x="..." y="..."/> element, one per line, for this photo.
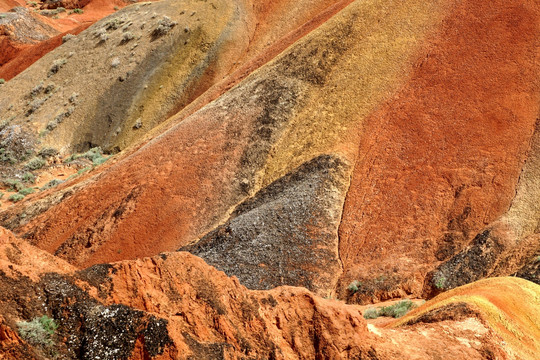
<point x="141" y="46"/>
<point x="507" y="305"/>
<point x="29" y="55"/>
<point x="285" y="234"/>
<point x="57" y="15"/>
<point x="443" y="156"/>
<point x="506" y="244"/>
<point x="223" y="154"/>
<point x="433" y="109"/>
<point x="211" y="40"/>
<point x="19" y="29"/>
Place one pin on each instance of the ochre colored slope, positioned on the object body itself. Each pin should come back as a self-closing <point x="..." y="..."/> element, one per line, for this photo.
<point x="210" y="42"/>
<point x="441" y="159"/>
<point x="507" y="305"/>
<point x="190" y="177"/>
<point x="433" y="102"/>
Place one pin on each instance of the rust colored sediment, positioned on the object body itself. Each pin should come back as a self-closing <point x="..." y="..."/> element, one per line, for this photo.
<point x="441" y="159"/>
<point x="33" y="53"/>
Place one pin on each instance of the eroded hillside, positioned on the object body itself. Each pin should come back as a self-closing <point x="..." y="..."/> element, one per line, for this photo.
<point x="358" y="150"/>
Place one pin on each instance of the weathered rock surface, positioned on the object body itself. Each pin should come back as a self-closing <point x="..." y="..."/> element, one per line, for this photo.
<point x="509" y="242"/>
<point x="286" y="233"/>
<point x="507" y="305"/>
<point x="174" y="306"/>
<point x="367" y="150"/>
<point x="154" y="69"/>
<point x="27" y="37"/>
<point x="19" y="28"/>
<point x="442" y="157"/>
<point x="382" y="96"/>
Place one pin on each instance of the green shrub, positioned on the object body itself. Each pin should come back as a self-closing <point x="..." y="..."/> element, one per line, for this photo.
<point x="128" y="36"/>
<point x="2" y="81"/>
<point x="51" y="184"/>
<point x="76" y="11"/>
<point x="68" y="37"/>
<point x="27" y="191"/>
<point x="34" y="106"/>
<point x="440" y="283"/>
<point x="95" y="155"/>
<point x="113" y="24"/>
<point x="13" y="185"/>
<point x="36" y="90"/>
<point x="38" y="331"/>
<point x="16" y="197"/>
<point x="164" y="26"/>
<point x="56" y="66"/>
<point x="398" y="309"/>
<point x="35" y="163"/>
<point x="7" y="156"/>
<point x="83" y="170"/>
<point x="29" y="177"/>
<point x="48" y="152"/>
<point x="354" y="286"/>
<point x="99" y="161"/>
<point x="371" y="313"/>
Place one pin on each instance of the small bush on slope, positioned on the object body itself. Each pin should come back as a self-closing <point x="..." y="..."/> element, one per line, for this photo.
<point x="38" y="331"/>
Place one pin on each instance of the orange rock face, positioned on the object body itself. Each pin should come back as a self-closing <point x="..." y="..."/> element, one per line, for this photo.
<point x="427" y="151"/>
<point x="453" y="140"/>
<point x="263" y="160"/>
<point x="174" y="306"/>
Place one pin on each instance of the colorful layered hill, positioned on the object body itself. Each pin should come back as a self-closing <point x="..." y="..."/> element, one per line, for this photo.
<point x="364" y="150"/>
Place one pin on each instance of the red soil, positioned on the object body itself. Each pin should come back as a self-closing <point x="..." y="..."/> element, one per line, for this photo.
<point x="15" y="57"/>
<point x="29" y="54"/>
<point x="6" y="5"/>
<point x="188" y="188"/>
<point x="444" y="154"/>
<point x="10" y="49"/>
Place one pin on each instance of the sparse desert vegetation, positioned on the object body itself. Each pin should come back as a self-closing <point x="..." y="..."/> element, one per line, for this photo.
<point x="38" y="331"/>
<point x="396" y="310"/>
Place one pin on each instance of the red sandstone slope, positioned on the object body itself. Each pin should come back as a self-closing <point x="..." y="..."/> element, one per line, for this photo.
<point x="448" y="148"/>
<point x="433" y="157"/>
